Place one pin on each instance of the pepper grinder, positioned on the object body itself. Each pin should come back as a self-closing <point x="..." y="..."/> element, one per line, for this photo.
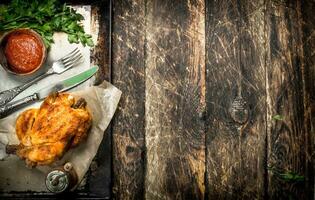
<point x="61" y="179"/>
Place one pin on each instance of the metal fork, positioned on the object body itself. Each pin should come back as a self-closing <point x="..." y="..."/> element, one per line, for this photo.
<point x="58" y="67"/>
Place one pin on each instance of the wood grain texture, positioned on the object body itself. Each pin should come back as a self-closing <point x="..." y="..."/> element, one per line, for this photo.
<point x="236" y="99"/>
<point x="100" y="55"/>
<point x="241" y="61"/>
<point x="175" y="87"/>
<point x="308" y="30"/>
<point x="287" y="138"/>
<point x="128" y="75"/>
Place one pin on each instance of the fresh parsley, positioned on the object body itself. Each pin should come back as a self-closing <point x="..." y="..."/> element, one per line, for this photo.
<point x="45" y="17"/>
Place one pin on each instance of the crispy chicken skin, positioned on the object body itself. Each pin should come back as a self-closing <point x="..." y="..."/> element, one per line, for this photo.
<point x="46" y="133"/>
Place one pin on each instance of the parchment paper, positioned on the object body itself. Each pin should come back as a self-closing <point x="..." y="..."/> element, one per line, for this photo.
<point x="102" y="102"/>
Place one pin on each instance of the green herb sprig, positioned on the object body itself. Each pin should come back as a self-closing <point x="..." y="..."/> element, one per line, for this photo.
<point x="288" y="176"/>
<point x="45" y="17"/>
<point x="278" y="117"/>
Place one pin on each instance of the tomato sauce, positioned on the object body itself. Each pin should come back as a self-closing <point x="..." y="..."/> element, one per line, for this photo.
<point x="24" y="52"/>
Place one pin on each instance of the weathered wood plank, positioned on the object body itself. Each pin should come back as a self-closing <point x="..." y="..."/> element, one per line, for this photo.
<point x="101" y="166"/>
<point x="308" y="29"/>
<point x="128" y="69"/>
<point x="287" y="137"/>
<point x="100" y="25"/>
<point x="235" y="95"/>
<point x="175" y="87"/>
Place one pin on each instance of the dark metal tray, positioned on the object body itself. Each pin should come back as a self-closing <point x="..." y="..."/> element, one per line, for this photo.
<point x="98" y="178"/>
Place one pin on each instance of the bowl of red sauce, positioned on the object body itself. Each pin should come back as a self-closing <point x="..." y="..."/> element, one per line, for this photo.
<point x="22" y="51"/>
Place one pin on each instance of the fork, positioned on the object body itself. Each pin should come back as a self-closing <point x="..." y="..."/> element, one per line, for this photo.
<point x="58" y="67"/>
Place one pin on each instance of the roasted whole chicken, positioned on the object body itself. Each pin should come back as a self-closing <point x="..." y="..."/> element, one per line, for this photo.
<point x="46" y="133"/>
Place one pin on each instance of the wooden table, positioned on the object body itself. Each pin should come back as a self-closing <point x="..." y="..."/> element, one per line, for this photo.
<point x="218" y="98"/>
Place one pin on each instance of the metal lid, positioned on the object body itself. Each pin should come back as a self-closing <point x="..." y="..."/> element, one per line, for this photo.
<point x="57" y="181"/>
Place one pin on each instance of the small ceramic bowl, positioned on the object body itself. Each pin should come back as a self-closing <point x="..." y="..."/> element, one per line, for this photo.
<point x="3" y="60"/>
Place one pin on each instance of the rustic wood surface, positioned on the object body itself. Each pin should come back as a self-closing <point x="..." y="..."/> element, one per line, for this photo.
<point x="218" y="99"/>
<point x="174" y="100"/>
<point x="128" y="74"/>
<point x="285" y="64"/>
<point x="236" y="99"/>
<point x="308" y="43"/>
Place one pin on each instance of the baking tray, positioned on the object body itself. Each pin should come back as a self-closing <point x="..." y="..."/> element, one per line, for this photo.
<point x="97" y="184"/>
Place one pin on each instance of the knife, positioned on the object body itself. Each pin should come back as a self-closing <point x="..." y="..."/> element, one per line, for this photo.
<point x="61" y="86"/>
